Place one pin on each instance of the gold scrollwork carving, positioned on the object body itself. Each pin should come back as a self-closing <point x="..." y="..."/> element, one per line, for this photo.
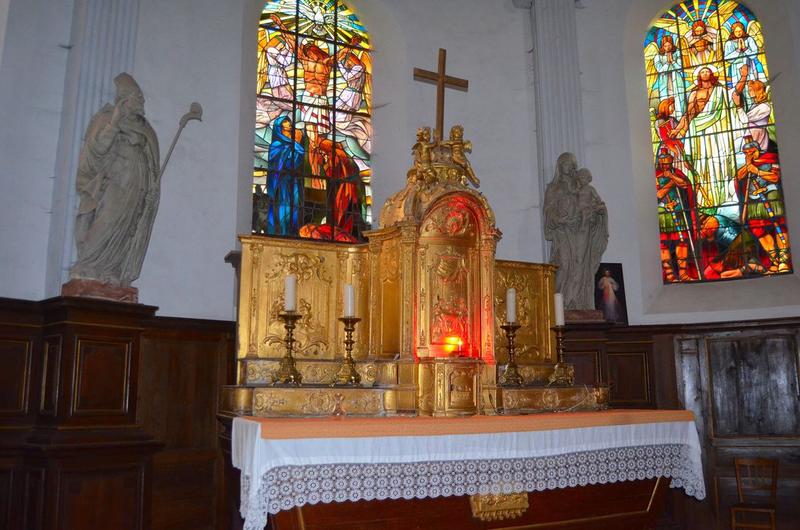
<point x="261" y="372"/>
<point x="389" y="261"/>
<point x="534" y="293"/>
<point x="550" y="399"/>
<point x="303" y="265"/>
<point x="450" y="220"/>
<point x="310" y="335"/>
<point x="317" y="401"/>
<point x="498" y="507"/>
<point x="264" y="402"/>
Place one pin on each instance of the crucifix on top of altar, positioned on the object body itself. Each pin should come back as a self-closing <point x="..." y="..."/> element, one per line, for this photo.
<point x="421" y="319"/>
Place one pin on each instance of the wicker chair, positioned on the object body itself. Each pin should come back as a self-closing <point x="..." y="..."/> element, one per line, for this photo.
<point x="757" y="484"/>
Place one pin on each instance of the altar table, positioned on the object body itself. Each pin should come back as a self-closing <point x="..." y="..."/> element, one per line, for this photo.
<point x="291" y="462"/>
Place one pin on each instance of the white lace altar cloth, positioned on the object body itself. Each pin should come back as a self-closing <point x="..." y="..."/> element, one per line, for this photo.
<point x="279" y="474"/>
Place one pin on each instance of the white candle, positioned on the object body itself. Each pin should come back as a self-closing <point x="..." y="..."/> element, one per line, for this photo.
<point x="511" y="305"/>
<point x="290" y="293"/>
<point x="559" y="303"/>
<point x="349" y="300"/>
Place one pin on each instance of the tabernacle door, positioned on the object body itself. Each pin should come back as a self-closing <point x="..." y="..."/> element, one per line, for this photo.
<point x="451" y="317"/>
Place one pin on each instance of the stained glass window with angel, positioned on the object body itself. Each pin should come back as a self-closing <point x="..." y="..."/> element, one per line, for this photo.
<point x="715" y="156"/>
<point x="313" y="135"/>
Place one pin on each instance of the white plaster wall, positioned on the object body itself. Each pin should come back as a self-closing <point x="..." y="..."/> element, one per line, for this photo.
<point x="191" y="50"/>
<point x="204" y="50"/>
<point x="619" y="154"/>
<point x="33" y="57"/>
<point x="487" y="43"/>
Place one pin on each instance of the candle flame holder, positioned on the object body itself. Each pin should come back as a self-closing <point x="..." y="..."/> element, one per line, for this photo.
<point x="559" y="330"/>
<point x="347" y="374"/>
<point x="287" y="372"/>
<point x="511" y="377"/>
<point x="563" y="373"/>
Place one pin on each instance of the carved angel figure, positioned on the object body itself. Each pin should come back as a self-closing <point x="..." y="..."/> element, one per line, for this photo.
<point x="459" y="147"/>
<point x="422" y="170"/>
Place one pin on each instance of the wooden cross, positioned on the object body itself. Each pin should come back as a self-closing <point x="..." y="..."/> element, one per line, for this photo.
<point x="442" y="81"/>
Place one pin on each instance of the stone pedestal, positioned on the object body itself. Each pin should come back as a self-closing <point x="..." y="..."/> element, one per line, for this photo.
<point x="100" y="290"/>
<point x="584" y="315"/>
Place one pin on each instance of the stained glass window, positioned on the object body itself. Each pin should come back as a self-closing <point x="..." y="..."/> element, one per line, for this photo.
<point x="313" y="136"/>
<point x="718" y="178"/>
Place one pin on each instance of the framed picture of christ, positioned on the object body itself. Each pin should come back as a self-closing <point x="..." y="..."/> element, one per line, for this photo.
<point x="609" y="293"/>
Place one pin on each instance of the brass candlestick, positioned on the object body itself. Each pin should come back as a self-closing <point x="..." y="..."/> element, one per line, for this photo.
<point x="559" y="343"/>
<point x="511" y="376"/>
<point x="287" y="372"/>
<point x="563" y="373"/>
<point x="348" y="375"/>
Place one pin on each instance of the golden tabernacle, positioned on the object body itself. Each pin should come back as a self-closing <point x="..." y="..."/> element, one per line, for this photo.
<point x="432" y="338"/>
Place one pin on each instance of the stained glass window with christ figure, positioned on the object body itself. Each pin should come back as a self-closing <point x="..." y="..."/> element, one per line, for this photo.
<point x="715" y="156"/>
<point x="313" y="136"/>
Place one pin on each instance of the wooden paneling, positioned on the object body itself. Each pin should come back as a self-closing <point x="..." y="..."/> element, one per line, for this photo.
<point x="751" y="379"/>
<point x="32" y="507"/>
<point x="51" y="376"/>
<point x="630" y="505"/>
<point x="102" y="377"/>
<point x="76" y="377"/>
<point x="619" y="356"/>
<point x="71" y="457"/>
<point x="587" y="366"/>
<point x="741" y="382"/>
<point x="108" y="498"/>
<point x="184" y="490"/>
<point x="6" y="496"/>
<point x="628" y="374"/>
<point x="15" y="375"/>
<point x="184" y="362"/>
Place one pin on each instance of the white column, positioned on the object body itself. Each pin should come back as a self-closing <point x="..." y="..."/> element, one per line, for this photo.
<point x="102" y="45"/>
<point x="557" y="84"/>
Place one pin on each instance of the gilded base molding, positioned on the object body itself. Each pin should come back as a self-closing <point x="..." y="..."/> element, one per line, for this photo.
<point x="318" y="401"/>
<point x="551" y="399"/>
<point x="532" y="373"/>
<point x="236" y="400"/>
<point x="498" y="507"/>
<point x="258" y="372"/>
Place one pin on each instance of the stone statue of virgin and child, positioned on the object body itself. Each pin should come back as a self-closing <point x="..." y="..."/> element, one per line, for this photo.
<point x="576" y="224"/>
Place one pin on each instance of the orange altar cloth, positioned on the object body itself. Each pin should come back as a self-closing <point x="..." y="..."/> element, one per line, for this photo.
<point x="355" y="427"/>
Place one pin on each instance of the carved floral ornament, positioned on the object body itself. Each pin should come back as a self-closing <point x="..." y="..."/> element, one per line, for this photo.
<point x="310" y="336"/>
<point x="303" y="265"/>
<point x="453" y="217"/>
<point x="389" y="262"/>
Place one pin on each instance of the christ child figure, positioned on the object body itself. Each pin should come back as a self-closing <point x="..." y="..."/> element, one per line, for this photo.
<point x="589" y="202"/>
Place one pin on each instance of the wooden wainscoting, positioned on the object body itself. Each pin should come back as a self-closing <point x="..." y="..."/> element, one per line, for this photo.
<point x="89" y="391"/>
<point x="620" y="356"/>
<point x="184" y="363"/>
<point x="739" y="378"/>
